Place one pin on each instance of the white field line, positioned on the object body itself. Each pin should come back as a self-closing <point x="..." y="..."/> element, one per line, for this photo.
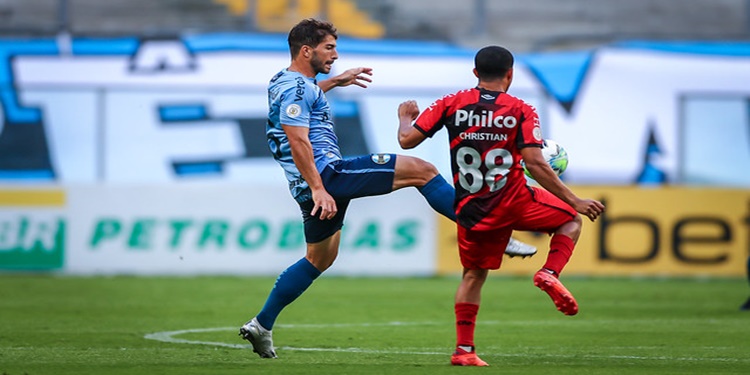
<point x="169" y="337"/>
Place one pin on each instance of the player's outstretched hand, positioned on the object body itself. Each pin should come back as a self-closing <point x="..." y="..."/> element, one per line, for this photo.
<point x="354" y="76"/>
<point x="589" y="207"/>
<point x="408" y="110"/>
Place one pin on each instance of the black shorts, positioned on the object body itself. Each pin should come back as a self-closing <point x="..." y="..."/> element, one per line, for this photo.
<point x="346" y="179"/>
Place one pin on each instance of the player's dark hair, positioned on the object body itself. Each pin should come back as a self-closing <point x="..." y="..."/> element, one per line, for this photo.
<point x="493" y="62"/>
<point x="309" y="32"/>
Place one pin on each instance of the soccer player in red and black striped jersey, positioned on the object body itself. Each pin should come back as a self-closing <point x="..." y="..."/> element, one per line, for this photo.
<point x="490" y="132"/>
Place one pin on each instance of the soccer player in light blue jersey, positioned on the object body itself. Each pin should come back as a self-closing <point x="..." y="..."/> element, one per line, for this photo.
<point x="301" y="139"/>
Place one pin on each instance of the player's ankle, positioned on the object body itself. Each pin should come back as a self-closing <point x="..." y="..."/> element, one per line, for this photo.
<point x="549" y="271"/>
<point x="464" y="349"/>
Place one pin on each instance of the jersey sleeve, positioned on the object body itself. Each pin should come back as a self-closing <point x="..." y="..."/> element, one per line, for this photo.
<point x="431" y="119"/>
<point x="530" y="131"/>
<point x="296" y="104"/>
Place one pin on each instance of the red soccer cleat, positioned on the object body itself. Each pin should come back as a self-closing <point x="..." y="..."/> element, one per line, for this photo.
<point x="467" y="359"/>
<point x="562" y="298"/>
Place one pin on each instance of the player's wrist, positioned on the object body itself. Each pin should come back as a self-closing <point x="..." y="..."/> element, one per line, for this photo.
<point x="338" y="80"/>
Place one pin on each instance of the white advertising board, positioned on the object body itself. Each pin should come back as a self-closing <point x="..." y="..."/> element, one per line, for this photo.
<point x="236" y="229"/>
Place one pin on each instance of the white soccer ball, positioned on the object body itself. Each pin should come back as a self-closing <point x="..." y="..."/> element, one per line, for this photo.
<point x="555" y="155"/>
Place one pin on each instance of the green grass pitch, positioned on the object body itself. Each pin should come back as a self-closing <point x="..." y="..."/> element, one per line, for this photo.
<point x="113" y="325"/>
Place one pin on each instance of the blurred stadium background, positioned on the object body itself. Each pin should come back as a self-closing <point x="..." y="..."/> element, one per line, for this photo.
<point x="132" y="131"/>
<point x="522" y="26"/>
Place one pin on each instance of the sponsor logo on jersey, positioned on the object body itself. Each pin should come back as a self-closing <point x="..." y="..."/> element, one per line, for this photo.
<point x="380" y="158"/>
<point x="483" y="119"/>
<point x="488" y="97"/>
<point x="300" y="90"/>
<point x="293" y="110"/>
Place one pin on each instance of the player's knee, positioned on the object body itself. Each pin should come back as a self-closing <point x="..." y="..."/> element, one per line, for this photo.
<point x="579" y="223"/>
<point x="321" y="263"/>
<point x="411" y="171"/>
<point x="426" y="170"/>
<point x="322" y="254"/>
<point x="572" y="228"/>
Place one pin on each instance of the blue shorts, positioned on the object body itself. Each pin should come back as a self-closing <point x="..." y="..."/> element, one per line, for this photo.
<point x="346" y="179"/>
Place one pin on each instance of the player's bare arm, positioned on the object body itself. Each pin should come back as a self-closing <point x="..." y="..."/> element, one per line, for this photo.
<point x="354" y="76"/>
<point x="546" y="177"/>
<point x="408" y="136"/>
<point x="302" y="154"/>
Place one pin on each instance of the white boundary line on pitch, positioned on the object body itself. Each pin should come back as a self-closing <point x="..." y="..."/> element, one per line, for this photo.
<point x="168" y="336"/>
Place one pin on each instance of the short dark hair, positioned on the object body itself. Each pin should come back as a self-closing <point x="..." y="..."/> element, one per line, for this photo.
<point x="493" y="62"/>
<point x="309" y="32"/>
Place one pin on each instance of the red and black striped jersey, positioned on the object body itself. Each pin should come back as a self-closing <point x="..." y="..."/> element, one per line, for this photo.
<point x="486" y="130"/>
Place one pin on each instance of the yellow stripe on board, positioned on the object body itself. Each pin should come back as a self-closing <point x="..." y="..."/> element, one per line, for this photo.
<point x="665" y="231"/>
<point x="32" y="197"/>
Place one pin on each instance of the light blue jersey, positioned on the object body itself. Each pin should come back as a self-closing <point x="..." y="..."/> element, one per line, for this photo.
<point x="296" y="100"/>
